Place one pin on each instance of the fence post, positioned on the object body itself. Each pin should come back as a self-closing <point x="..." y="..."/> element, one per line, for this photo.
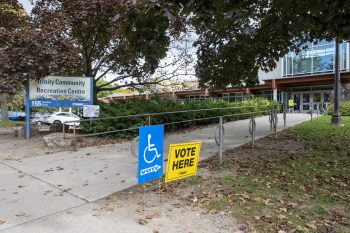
<point x="149" y="119"/>
<point x="74" y="138"/>
<point x="220" y="139"/>
<point x="311" y="113"/>
<point x="275" y="122"/>
<point x="194" y="119"/>
<point x="318" y="108"/>
<point x="284" y="117"/>
<point x="252" y="128"/>
<point x="271" y="119"/>
<point x="64" y="131"/>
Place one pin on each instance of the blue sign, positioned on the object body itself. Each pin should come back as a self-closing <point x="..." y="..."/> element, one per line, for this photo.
<point x="58" y="103"/>
<point x="150" y="153"/>
<point x="56" y="92"/>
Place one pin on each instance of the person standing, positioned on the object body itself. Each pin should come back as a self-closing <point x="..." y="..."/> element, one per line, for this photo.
<point x="291" y="105"/>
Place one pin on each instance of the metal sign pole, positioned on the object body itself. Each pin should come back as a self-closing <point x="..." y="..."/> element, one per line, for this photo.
<point x="27" y="111"/>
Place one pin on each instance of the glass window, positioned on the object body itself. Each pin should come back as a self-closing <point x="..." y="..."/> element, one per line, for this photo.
<point x="343" y="57"/>
<point x="323" y="57"/>
<point x="317" y="58"/>
<point x="239" y="97"/>
<point x="306" y="98"/>
<point x="326" y="97"/>
<point x="302" y="63"/>
<point x="317" y="97"/>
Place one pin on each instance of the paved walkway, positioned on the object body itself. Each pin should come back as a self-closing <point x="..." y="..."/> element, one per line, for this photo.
<point x="34" y="192"/>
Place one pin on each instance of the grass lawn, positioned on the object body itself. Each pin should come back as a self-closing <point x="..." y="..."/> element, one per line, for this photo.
<point x="9" y="124"/>
<point x="299" y="182"/>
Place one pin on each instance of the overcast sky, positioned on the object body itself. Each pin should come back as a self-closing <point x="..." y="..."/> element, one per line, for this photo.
<point x="26" y="4"/>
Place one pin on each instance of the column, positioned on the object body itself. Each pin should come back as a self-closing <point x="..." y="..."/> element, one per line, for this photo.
<point x="274" y="94"/>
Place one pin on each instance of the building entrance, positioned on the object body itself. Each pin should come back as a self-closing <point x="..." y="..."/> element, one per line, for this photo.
<point x="305" y="101"/>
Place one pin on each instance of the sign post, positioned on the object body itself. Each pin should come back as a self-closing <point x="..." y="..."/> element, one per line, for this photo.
<point x="150" y="165"/>
<point x="183" y="160"/>
<point x="27" y="112"/>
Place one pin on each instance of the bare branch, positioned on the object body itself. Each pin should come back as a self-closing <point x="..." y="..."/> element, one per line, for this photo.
<point x="126" y="85"/>
<point x="114" y="80"/>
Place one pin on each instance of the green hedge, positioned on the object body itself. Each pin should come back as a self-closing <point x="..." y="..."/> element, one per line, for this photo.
<point x="344" y="108"/>
<point x="158" y="105"/>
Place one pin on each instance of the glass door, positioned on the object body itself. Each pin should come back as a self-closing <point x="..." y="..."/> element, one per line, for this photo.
<point x="306" y="102"/>
<point x="317" y="100"/>
<point x="297" y="100"/>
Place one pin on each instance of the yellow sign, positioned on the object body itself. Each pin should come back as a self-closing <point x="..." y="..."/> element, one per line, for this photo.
<point x="183" y="160"/>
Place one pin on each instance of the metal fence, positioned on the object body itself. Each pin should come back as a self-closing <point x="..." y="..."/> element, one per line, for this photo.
<point x="252" y="113"/>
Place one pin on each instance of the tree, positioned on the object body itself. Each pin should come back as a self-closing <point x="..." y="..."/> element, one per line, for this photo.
<point x="12" y="16"/>
<point x="26" y="52"/>
<point x="237" y="38"/>
<point x="315" y="21"/>
<point x="229" y="53"/>
<point x="125" y="39"/>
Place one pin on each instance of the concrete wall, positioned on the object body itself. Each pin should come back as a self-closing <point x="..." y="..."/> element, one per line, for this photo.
<point x="274" y="74"/>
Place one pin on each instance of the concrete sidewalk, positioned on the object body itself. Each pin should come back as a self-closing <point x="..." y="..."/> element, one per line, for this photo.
<point x="35" y="191"/>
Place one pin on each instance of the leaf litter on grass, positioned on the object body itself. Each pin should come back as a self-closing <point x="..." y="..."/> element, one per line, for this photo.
<point x="288" y="184"/>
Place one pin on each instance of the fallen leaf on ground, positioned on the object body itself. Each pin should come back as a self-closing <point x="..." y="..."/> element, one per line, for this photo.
<point x="344" y="222"/>
<point x="292" y="204"/>
<point x="140" y="210"/>
<point x="312" y="225"/>
<point x="258" y="199"/>
<point x="152" y="216"/>
<point x="142" y="221"/>
<point x="283" y="210"/>
<point x="281" y="216"/>
<point x="20" y="214"/>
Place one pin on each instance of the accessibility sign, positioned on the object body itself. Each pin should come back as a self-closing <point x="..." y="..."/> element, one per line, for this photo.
<point x="150" y="165"/>
<point x="182" y="161"/>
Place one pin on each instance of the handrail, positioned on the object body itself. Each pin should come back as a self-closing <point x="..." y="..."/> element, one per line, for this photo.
<point x="161" y="113"/>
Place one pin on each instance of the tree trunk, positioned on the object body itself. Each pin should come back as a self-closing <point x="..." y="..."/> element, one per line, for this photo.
<point x="94" y="93"/>
<point x="4" y="109"/>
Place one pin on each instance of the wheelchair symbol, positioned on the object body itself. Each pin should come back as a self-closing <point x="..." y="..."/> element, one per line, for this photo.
<point x="150" y="147"/>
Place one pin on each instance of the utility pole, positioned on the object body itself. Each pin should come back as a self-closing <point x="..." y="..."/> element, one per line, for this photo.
<point x="336" y="117"/>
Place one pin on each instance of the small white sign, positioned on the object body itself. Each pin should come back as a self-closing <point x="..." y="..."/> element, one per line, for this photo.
<point x="91" y="111"/>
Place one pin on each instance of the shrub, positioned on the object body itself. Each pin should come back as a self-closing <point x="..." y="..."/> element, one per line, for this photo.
<point x="184" y="117"/>
<point x="344" y="108"/>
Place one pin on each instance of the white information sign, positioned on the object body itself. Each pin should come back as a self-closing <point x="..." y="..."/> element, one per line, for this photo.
<point x="91" y="111"/>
